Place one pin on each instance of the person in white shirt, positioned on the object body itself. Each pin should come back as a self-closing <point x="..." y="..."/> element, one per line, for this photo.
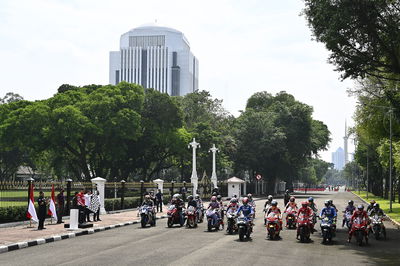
<point x="88" y="195"/>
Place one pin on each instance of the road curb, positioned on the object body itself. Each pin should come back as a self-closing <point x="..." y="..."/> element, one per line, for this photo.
<point x="395" y="223"/>
<point x="40" y="241"/>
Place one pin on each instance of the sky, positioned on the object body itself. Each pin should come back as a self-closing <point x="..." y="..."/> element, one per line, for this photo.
<point x="243" y="47"/>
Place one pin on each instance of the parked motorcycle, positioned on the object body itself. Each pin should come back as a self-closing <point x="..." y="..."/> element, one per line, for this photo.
<point x="231" y="221"/>
<point x="273" y="225"/>
<point x="304" y="223"/>
<point x="360" y="230"/>
<point x="328" y="230"/>
<point x="377" y="227"/>
<point x="291" y="218"/>
<point x="173" y="216"/>
<point x="191" y="217"/>
<point x="147" y="216"/>
<point x="244" y="227"/>
<point x="213" y="219"/>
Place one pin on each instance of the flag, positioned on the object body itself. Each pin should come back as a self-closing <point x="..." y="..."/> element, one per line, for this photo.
<point x="52" y="208"/>
<point x="31" y="214"/>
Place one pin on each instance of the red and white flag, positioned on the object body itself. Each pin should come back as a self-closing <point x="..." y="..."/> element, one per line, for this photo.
<point x="31" y="214"/>
<point x="52" y="208"/>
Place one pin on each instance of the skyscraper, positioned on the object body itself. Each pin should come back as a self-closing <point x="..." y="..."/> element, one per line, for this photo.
<point x="155" y="57"/>
<point x="338" y="159"/>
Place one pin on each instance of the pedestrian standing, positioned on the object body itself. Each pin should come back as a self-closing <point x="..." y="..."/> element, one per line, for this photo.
<point x="95" y="206"/>
<point x="60" y="206"/>
<point x="88" y="196"/>
<point x="286" y="197"/>
<point x="81" y="206"/>
<point x="159" y="200"/>
<point x="42" y="202"/>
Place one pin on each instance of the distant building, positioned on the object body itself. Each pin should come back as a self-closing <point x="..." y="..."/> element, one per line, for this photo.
<point x="338" y="159"/>
<point x="155" y="57"/>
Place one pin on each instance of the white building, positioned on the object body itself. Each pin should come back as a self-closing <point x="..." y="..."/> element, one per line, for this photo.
<point x="155" y="57"/>
<point x="338" y="159"/>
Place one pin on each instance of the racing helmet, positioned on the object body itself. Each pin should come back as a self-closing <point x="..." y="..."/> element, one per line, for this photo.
<point x="190" y="197"/>
<point x="147" y="197"/>
<point x="213" y="198"/>
<point x="234" y="200"/>
<point x="360" y="207"/>
<point x="376" y="205"/>
<point x="274" y="203"/>
<point x="351" y="202"/>
<point x="270" y="197"/>
<point x="219" y="197"/>
<point x="249" y="195"/>
<point x="311" y="199"/>
<point x="245" y="200"/>
<point x="197" y="197"/>
<point x="326" y="203"/>
<point x="292" y="199"/>
<point x="372" y="202"/>
<point x="304" y="204"/>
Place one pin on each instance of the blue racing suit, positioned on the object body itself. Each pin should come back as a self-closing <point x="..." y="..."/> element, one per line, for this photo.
<point x="329" y="212"/>
<point x="247" y="211"/>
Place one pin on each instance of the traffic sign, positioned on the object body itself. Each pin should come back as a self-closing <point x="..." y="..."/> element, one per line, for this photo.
<point x="258" y="177"/>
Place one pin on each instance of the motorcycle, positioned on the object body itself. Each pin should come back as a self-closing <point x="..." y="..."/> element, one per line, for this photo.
<point x="304" y="223"/>
<point x="377" y="226"/>
<point x="231" y="221"/>
<point x="213" y="219"/>
<point x="328" y="230"/>
<point x="347" y="219"/>
<point x="360" y="230"/>
<point x="191" y="217"/>
<point x="244" y="227"/>
<point x="273" y="225"/>
<point x="200" y="214"/>
<point x="173" y="216"/>
<point x="147" y="216"/>
<point x="291" y="218"/>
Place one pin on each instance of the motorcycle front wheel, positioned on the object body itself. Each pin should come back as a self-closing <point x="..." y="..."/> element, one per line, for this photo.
<point x="241" y="233"/>
<point x="170" y="223"/>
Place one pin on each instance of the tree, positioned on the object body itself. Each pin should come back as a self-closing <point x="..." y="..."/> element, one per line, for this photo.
<point x="363" y="36"/>
<point x="11" y="97"/>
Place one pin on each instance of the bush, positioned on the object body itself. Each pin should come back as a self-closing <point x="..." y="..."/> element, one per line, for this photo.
<point x="115" y="204"/>
<point x="13" y="214"/>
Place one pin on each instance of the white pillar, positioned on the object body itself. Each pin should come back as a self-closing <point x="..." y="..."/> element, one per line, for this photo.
<point x="214" y="150"/>
<point x="160" y="184"/>
<point x="194" y="179"/>
<point x="100" y="184"/>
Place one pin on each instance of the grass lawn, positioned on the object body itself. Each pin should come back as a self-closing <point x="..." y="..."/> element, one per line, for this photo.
<point x="21" y="193"/>
<point x="383" y="203"/>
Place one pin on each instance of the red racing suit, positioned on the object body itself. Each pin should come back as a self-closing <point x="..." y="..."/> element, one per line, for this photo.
<point x="275" y="210"/>
<point x="307" y="211"/>
<point x="363" y="214"/>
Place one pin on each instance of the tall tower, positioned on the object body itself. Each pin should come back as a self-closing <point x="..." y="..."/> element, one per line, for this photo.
<point x="346" y="138"/>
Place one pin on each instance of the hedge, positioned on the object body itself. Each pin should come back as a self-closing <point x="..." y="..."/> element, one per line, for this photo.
<point x="13" y="214"/>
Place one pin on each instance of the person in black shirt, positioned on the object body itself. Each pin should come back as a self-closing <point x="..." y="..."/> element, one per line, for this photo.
<point x="42" y="202"/>
<point x="159" y="200"/>
<point x="60" y="206"/>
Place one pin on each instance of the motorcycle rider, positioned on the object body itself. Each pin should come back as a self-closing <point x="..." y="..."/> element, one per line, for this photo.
<point x="192" y="202"/>
<point x="214" y="204"/>
<point x="350" y="208"/>
<point x="371" y="205"/>
<point x="148" y="202"/>
<point x="267" y="205"/>
<point x="312" y="204"/>
<point x="291" y="204"/>
<point x="286" y="197"/>
<point x="246" y="209"/>
<point x="221" y="204"/>
<point x="333" y="205"/>
<point x="378" y="211"/>
<point x="234" y="205"/>
<point x="306" y="211"/>
<point x="180" y="205"/>
<point x="359" y="213"/>
<point x="329" y="212"/>
<point x="251" y="201"/>
<point x="198" y="201"/>
<point x="274" y="209"/>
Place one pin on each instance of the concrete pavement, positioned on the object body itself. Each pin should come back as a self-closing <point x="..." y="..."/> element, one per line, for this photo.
<point x="133" y="245"/>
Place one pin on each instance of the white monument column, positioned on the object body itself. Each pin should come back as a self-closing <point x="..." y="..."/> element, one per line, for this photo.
<point x="214" y="150"/>
<point x="100" y="187"/>
<point x="194" y="179"/>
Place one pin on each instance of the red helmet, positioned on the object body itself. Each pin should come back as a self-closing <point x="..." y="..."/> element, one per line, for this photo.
<point x="292" y="199"/>
<point x="245" y="200"/>
<point x="213" y="198"/>
<point x="304" y="203"/>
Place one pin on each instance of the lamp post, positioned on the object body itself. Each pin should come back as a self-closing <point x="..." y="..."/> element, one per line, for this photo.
<point x="194" y="179"/>
<point x="214" y="150"/>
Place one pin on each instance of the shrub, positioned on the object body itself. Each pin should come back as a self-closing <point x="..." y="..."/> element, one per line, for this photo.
<point x="13" y="214"/>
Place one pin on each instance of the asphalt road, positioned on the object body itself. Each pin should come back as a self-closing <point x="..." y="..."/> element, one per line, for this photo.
<point x="132" y="245"/>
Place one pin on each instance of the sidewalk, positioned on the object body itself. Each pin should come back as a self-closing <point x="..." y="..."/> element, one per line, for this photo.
<point x="23" y="233"/>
